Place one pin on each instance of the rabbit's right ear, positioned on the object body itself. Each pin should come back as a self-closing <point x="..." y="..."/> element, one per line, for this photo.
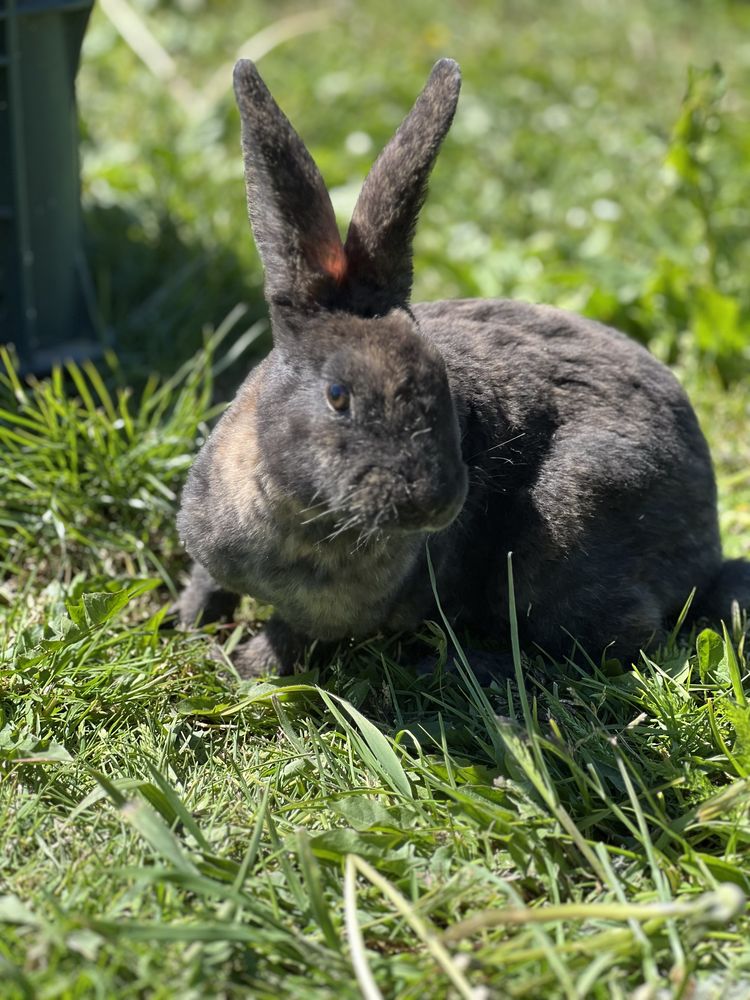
<point x="289" y="207"/>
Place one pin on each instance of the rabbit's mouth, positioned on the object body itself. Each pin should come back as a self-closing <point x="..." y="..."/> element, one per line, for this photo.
<point x="413" y="508"/>
<point x="425" y="522"/>
<point x="381" y="505"/>
<point x="368" y="526"/>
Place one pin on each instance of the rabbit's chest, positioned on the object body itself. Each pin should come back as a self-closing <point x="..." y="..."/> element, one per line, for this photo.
<point x="330" y="592"/>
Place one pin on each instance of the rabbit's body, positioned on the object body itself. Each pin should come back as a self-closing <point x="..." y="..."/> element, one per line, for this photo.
<point x="587" y="462"/>
<point x="374" y="429"/>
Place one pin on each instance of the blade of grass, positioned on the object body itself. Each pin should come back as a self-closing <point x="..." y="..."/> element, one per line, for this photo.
<point x="418" y="924"/>
<point x="357" y="951"/>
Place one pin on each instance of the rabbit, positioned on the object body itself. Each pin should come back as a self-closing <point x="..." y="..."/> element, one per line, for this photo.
<point x="377" y="431"/>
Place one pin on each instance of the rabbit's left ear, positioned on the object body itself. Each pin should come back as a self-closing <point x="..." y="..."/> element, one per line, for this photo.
<point x="379" y="241"/>
<point x="289" y="206"/>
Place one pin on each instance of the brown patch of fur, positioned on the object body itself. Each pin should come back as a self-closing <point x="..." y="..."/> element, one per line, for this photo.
<point x="236" y="452"/>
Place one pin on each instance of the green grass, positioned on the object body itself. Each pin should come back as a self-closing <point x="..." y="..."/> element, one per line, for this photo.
<point x="364" y="829"/>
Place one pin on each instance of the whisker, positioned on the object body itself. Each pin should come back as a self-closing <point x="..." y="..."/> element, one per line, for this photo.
<point x="494" y="447"/>
<point x="347" y="525"/>
<point x="324" y="513"/>
<point x="365" y="537"/>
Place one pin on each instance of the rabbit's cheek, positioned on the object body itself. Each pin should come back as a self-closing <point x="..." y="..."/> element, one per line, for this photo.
<point x="444" y="499"/>
<point x="437" y="481"/>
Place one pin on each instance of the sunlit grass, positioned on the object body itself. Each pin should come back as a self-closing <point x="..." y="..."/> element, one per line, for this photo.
<point x="167" y="830"/>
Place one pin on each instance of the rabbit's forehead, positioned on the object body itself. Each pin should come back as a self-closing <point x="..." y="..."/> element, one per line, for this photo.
<point x="388" y="348"/>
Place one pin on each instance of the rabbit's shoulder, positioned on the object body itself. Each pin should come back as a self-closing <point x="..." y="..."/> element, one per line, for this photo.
<point x="576" y="409"/>
<point x="537" y="359"/>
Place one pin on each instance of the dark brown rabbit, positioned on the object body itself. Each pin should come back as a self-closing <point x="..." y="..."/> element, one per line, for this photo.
<point x="479" y="426"/>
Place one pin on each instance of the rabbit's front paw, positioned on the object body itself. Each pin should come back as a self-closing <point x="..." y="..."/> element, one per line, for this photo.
<point x="203" y="600"/>
<point x="275" y="650"/>
<point x="256" y="658"/>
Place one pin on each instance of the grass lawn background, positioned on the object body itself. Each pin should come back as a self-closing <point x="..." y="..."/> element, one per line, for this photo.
<point x="165" y="831"/>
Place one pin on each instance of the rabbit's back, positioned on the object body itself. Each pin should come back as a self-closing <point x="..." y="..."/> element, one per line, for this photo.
<point x="541" y="358"/>
<point x="586" y="460"/>
<point x="555" y="376"/>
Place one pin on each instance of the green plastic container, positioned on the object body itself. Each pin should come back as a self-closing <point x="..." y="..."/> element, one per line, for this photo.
<point x="46" y="305"/>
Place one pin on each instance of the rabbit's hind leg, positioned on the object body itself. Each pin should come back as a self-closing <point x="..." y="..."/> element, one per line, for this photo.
<point x="583" y="607"/>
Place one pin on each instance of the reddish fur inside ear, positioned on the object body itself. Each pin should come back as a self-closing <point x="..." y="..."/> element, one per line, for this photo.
<point x="332" y="260"/>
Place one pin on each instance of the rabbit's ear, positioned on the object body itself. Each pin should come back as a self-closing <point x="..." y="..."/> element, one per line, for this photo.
<point x="379" y="241"/>
<point x="289" y="207"/>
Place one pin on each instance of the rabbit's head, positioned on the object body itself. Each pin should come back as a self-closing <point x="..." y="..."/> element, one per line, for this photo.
<point x="354" y="415"/>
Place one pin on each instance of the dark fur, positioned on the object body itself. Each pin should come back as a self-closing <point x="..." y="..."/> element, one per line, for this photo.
<point x="480" y="426"/>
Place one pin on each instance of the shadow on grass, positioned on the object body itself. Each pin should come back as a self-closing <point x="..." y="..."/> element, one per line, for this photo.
<point x="160" y="292"/>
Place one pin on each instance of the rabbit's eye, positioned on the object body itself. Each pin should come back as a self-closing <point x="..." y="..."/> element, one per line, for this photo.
<point x="337" y="396"/>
